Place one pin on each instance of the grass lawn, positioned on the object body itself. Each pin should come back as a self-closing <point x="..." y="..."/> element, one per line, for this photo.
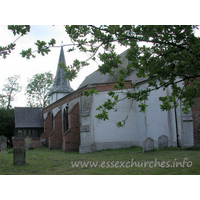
<point x="42" y="161"/>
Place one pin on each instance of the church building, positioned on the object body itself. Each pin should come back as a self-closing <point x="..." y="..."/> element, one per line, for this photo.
<point x="70" y="123"/>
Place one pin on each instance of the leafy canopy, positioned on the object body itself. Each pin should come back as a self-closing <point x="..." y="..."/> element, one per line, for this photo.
<point x="38" y="88"/>
<point x="7" y="122"/>
<point x="170" y="60"/>
<point x="11" y="88"/>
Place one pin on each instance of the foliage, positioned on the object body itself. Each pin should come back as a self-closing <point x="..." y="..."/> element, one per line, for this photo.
<point x="3" y="100"/>
<point x="16" y="29"/>
<point x="21" y="30"/>
<point x="38" y="88"/>
<point x="169" y="59"/>
<point x="11" y="89"/>
<point x="7" y="122"/>
<point x="6" y="111"/>
<point x="87" y="93"/>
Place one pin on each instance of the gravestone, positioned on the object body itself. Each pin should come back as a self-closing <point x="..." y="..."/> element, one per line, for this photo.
<point x="3" y="143"/>
<point x="3" y="147"/>
<point x="19" y="157"/>
<point x="162" y="141"/>
<point x="28" y="143"/>
<point x="43" y="142"/>
<point x="148" y="144"/>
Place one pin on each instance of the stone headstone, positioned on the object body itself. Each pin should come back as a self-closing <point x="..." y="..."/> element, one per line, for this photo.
<point x="28" y="143"/>
<point x="3" y="139"/>
<point x="3" y="147"/>
<point x="162" y="141"/>
<point x="43" y="142"/>
<point x="19" y="157"/>
<point x="3" y="143"/>
<point x="148" y="144"/>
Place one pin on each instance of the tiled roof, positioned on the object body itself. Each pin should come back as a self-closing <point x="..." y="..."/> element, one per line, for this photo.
<point x="97" y="77"/>
<point x="27" y="117"/>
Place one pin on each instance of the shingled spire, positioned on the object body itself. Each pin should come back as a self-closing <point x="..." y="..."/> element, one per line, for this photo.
<point x="61" y="86"/>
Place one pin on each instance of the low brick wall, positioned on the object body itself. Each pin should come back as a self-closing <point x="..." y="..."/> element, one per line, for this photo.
<point x="36" y="143"/>
<point x="19" y="143"/>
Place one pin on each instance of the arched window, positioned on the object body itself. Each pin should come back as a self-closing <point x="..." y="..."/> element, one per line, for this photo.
<point x="65" y="119"/>
<point x="51" y="121"/>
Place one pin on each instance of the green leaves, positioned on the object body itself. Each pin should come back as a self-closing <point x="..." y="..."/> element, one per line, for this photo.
<point x="108" y="105"/>
<point x="111" y="62"/>
<point x="90" y="92"/>
<point x="52" y="42"/>
<point x="27" y="53"/>
<point x="38" y="88"/>
<point x="71" y="71"/>
<point x="16" y="29"/>
<point x="168" y="58"/>
<point x="19" y="29"/>
<point x="168" y="102"/>
<point x="7" y="122"/>
<point x="42" y="48"/>
<point x="11" y="88"/>
<point x="142" y="107"/>
<point x="103" y="115"/>
<point x="4" y="51"/>
<point x="3" y="100"/>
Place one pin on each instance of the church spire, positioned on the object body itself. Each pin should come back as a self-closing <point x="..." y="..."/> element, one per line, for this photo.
<point x="61" y="86"/>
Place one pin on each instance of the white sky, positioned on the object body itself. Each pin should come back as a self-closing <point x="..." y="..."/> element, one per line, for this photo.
<point x="14" y="64"/>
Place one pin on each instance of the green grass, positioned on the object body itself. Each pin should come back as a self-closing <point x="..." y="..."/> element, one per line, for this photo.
<point x="42" y="161"/>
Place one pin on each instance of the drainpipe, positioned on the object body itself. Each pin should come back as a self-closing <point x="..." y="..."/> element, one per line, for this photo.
<point x="177" y="136"/>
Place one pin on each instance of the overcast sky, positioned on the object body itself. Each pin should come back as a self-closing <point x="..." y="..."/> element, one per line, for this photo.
<point x="14" y="64"/>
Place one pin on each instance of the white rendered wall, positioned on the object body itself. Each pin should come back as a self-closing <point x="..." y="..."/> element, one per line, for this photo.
<point x="56" y="96"/>
<point x="153" y="123"/>
<point x="105" y="133"/>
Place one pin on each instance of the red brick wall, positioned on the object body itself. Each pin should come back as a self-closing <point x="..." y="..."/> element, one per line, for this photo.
<point x="47" y="129"/>
<point x="36" y="143"/>
<point x="109" y="86"/>
<point x="55" y="138"/>
<point x="78" y="93"/>
<point x="196" y="121"/>
<point x="71" y="138"/>
<point x="19" y="143"/>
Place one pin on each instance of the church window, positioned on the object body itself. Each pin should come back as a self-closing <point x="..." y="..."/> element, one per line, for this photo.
<point x="35" y="133"/>
<point x="29" y="132"/>
<point x="51" y="121"/>
<point x="65" y="119"/>
<point x="20" y="133"/>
